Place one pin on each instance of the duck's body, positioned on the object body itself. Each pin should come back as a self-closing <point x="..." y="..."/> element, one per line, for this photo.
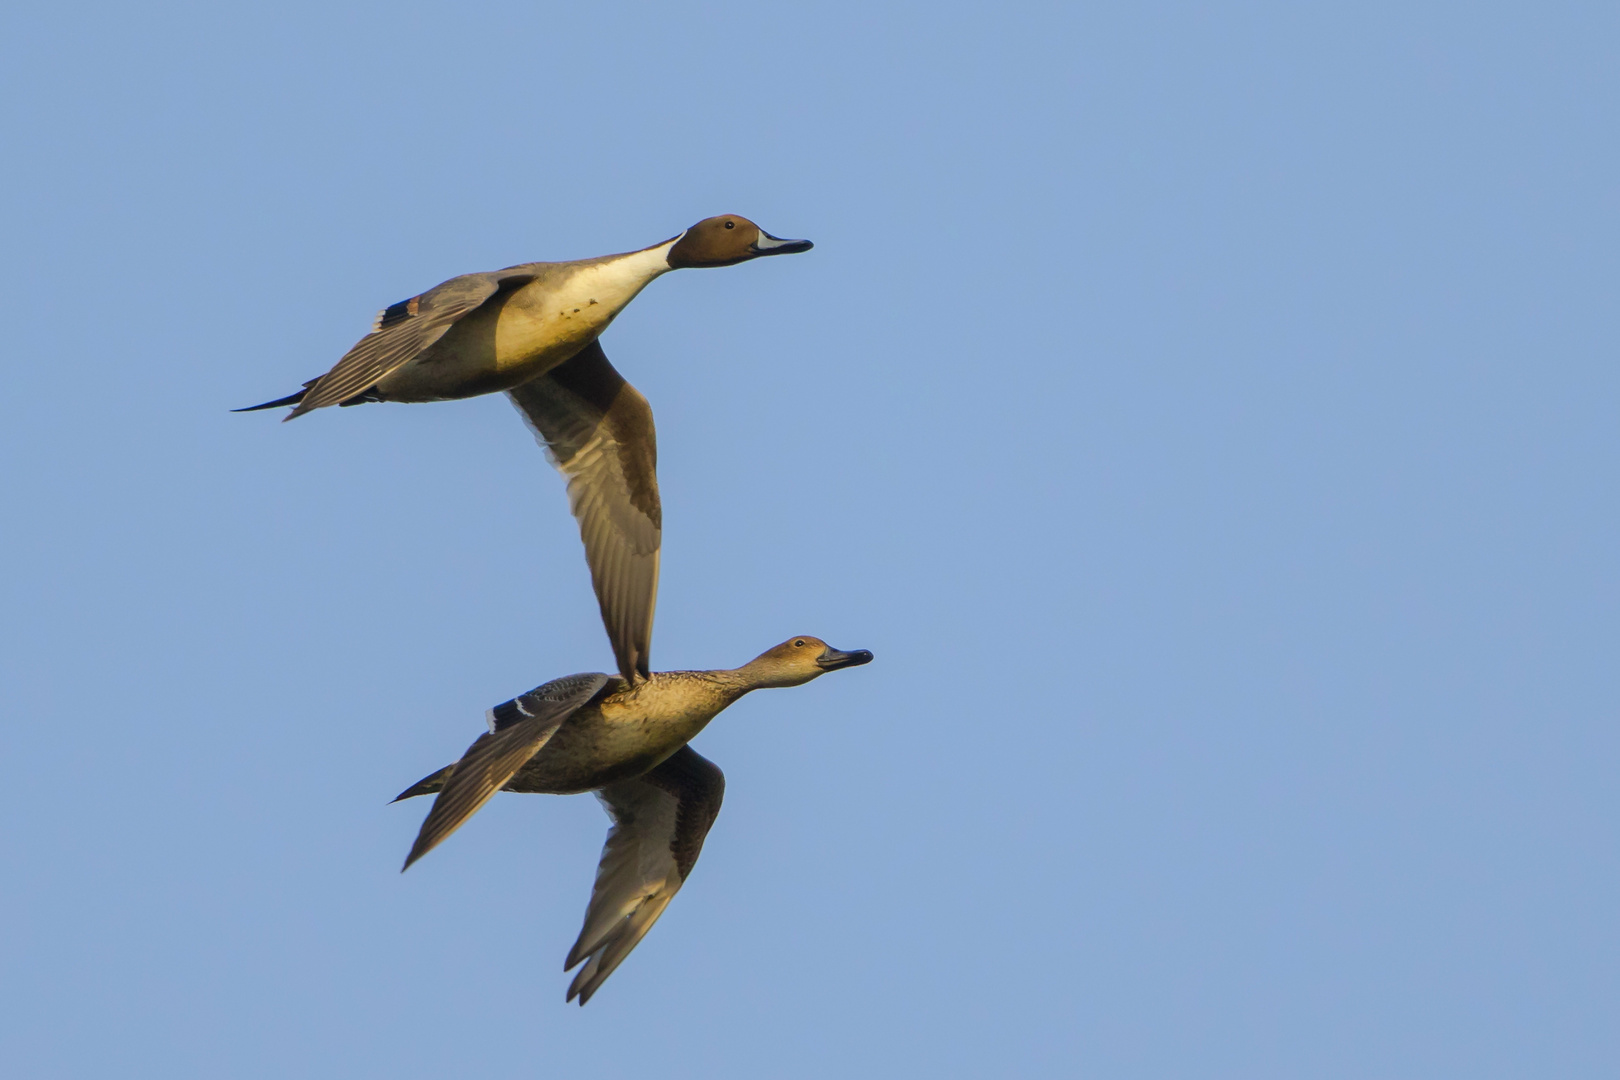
<point x="479" y="333"/>
<point x="546" y="315"/>
<point x="628" y="743"/>
<point x="627" y="730"/>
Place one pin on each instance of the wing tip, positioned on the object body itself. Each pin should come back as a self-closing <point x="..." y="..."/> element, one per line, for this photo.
<point x="575" y="955"/>
<point x="584" y="985"/>
<point x="417" y="851"/>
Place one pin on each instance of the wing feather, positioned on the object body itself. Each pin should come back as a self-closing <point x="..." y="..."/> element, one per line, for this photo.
<point x="598" y="431"/>
<point x="493" y="757"/>
<point x="403" y="331"/>
<point x="660" y="820"/>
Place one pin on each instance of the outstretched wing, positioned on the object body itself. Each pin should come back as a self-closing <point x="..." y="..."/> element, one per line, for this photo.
<point x="659" y="822"/>
<point x="598" y="430"/>
<point x="402" y="331"/>
<point x="518" y="729"/>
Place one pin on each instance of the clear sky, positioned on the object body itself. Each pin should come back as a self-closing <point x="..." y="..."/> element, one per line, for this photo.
<point x="1207" y="413"/>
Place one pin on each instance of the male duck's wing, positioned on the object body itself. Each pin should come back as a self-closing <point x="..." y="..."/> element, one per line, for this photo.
<point x="659" y="822"/>
<point x="402" y="331"/>
<point x="518" y="729"/>
<point x="598" y="430"/>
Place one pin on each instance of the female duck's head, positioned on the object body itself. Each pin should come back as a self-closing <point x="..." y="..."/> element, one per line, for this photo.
<point x="800" y="659"/>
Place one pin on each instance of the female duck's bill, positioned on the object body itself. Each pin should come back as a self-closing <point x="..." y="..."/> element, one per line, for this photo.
<point x="832" y="659"/>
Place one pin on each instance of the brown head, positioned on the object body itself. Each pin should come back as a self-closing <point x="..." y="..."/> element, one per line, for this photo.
<point x="798" y="660"/>
<point x="727" y="240"/>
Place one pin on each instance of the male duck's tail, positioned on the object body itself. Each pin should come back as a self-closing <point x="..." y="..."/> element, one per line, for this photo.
<point x="290" y="399"/>
<point x="293" y="399"/>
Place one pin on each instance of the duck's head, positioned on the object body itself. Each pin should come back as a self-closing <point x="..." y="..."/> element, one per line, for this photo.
<point x="799" y="659"/>
<point x="727" y="240"/>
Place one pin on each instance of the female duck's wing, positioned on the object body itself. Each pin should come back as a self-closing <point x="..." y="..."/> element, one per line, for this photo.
<point x="517" y="730"/>
<point x="402" y="331"/>
<point x="659" y="821"/>
<point x="598" y="430"/>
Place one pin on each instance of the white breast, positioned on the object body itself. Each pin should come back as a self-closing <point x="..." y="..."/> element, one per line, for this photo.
<point x="555" y="318"/>
<point x="614" y="283"/>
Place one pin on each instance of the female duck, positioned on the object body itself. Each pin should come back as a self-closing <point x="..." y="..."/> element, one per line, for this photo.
<point x="628" y="743"/>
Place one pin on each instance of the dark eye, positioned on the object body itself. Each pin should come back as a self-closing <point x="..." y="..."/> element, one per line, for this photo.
<point x="798" y="644"/>
<point x="731" y="225"/>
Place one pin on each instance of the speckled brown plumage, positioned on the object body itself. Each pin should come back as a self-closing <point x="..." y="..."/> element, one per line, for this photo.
<point x="628" y="743"/>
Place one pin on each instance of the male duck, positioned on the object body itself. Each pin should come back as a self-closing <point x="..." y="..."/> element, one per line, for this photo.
<point x="479" y="333"/>
<point x="628" y="743"/>
<point x="531" y="330"/>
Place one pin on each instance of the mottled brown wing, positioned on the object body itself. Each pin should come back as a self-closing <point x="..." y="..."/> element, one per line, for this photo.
<point x="659" y="822"/>
<point x="403" y="331"/>
<point x="492" y="759"/>
<point x="598" y="430"/>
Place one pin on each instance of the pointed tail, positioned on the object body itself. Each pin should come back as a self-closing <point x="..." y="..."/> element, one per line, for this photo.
<point x="290" y="399"/>
<point x="426" y="786"/>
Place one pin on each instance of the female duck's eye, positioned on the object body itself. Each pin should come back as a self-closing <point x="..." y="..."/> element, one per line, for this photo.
<point x="798" y="644"/>
<point x="731" y="225"/>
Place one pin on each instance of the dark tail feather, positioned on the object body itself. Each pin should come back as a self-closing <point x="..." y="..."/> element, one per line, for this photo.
<point x="425" y="786"/>
<point x="290" y="399"/>
<point x="295" y="399"/>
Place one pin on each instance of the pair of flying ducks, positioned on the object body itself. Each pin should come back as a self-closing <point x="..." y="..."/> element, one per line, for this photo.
<point x="531" y="331"/>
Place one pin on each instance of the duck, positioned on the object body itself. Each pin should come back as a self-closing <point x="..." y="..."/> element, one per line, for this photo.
<point x="630" y="744"/>
<point x="480" y="333"/>
<point x="532" y="331"/>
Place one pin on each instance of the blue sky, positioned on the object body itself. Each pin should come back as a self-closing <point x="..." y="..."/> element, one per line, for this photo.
<point x="1205" y="412"/>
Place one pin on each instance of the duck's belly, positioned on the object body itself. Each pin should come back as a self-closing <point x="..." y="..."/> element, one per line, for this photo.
<point x="590" y="756"/>
<point x="615" y="741"/>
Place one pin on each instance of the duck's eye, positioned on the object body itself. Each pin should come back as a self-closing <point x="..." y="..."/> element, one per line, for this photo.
<point x="731" y="224"/>
<point x="798" y="644"/>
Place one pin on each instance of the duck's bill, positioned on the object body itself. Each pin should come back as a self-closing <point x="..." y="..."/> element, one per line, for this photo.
<point x="833" y="659"/>
<point x="775" y="245"/>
